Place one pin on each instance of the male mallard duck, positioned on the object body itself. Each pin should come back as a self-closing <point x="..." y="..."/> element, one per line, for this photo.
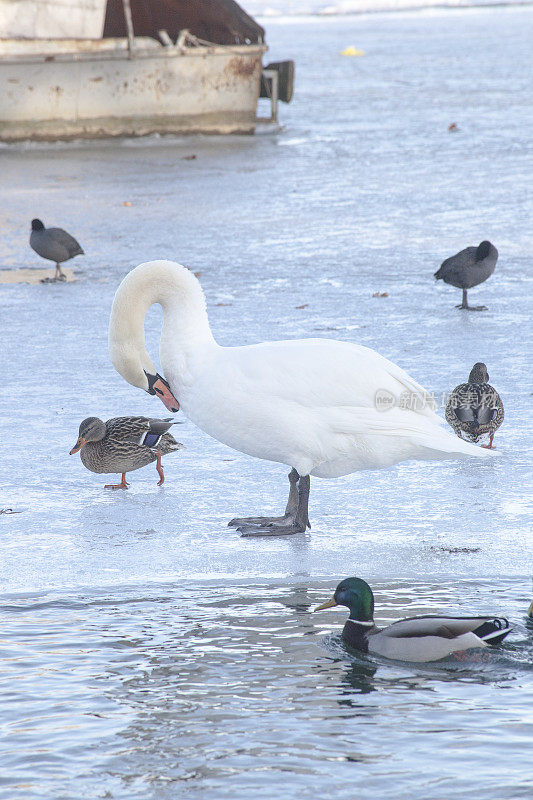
<point x="123" y="444"/>
<point x="55" y="244"/>
<point x="413" y="639"/>
<point x="475" y="409"/>
<point x="467" y="268"/>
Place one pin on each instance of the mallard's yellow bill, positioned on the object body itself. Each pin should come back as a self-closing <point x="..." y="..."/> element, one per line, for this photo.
<point x="327" y="604"/>
<point x="79" y="444"/>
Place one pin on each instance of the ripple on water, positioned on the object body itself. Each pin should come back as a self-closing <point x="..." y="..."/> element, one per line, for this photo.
<point x="220" y="689"/>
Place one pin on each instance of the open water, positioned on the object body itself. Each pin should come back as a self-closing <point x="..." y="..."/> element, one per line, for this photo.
<point x="147" y="651"/>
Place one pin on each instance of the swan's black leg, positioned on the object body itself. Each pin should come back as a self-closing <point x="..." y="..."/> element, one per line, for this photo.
<point x="295" y="521"/>
<point x="290" y="510"/>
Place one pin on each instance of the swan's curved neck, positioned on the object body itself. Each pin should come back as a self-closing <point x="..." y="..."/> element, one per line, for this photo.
<point x="185" y="322"/>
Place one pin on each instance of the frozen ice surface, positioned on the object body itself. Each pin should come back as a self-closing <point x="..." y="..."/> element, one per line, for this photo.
<point x="365" y="190"/>
<point x="285" y="8"/>
<point x="140" y="612"/>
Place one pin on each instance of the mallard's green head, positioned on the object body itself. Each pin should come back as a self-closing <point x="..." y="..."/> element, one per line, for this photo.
<point x="530" y="610"/>
<point x="356" y="594"/>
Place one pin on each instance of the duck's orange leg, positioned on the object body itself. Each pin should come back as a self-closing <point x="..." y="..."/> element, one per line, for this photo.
<point x="489" y="445"/>
<point x="122" y="485"/>
<point x="159" y="468"/>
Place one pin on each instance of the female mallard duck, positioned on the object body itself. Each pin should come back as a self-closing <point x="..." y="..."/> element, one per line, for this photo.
<point x="467" y="268"/>
<point x="475" y="409"/>
<point x="413" y="639"/>
<point x="123" y="444"/>
<point x="312" y="404"/>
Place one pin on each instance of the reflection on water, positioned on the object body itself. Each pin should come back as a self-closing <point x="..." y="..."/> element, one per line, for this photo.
<point x="220" y="689"/>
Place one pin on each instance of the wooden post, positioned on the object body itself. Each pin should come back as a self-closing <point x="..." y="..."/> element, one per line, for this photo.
<point x="129" y="26"/>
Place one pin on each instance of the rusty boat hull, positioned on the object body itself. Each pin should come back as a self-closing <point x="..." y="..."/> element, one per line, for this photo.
<point x="89" y="88"/>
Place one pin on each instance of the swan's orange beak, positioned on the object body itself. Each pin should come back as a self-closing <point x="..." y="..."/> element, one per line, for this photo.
<point x="79" y="444"/>
<point x="162" y="390"/>
<point x="159" y="386"/>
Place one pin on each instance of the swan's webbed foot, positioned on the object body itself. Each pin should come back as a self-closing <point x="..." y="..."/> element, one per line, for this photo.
<point x="287" y="528"/>
<point x="295" y="519"/>
<point x="241" y="521"/>
<point x="290" y="510"/>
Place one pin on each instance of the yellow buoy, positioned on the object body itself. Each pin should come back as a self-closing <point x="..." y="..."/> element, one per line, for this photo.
<point x="351" y="51"/>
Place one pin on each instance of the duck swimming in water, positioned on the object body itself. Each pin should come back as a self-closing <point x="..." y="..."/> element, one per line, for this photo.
<point x="415" y="638"/>
<point x="312" y="404"/>
<point x="468" y="268"/>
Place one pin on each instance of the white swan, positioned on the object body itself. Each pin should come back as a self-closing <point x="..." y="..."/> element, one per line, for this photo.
<point x="310" y="403"/>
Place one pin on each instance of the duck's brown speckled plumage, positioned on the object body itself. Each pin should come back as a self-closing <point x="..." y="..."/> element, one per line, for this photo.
<point x="474" y="409"/>
<point x="121" y="450"/>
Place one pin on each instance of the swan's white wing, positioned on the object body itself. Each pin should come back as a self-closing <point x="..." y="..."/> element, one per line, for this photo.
<point x="311" y="404"/>
<point x="318" y="373"/>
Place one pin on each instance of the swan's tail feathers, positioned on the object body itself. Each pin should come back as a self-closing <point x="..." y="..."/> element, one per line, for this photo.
<point x="405" y="434"/>
<point x="448" y="445"/>
<point x="493" y="631"/>
<point x="413" y="396"/>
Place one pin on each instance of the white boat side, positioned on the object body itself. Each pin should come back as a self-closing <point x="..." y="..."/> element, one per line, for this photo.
<point x="87" y="88"/>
